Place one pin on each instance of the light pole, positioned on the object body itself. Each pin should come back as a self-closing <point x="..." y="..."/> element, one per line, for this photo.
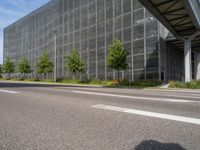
<point x="55" y="61"/>
<point x="129" y="72"/>
<point x="87" y="63"/>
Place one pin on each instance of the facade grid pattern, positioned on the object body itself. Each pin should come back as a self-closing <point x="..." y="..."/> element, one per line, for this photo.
<point x="89" y="26"/>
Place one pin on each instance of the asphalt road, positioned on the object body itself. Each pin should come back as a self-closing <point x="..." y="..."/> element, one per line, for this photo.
<point x="48" y="117"/>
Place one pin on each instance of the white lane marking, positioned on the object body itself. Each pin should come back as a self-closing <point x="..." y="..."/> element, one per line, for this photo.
<point x="132" y="91"/>
<point x="176" y="91"/>
<point x="196" y="96"/>
<point x="7" y="91"/>
<point x="149" y="114"/>
<point x="137" y="97"/>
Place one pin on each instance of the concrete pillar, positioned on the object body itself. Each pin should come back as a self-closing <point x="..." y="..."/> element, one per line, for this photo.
<point x="198" y="67"/>
<point x="187" y="55"/>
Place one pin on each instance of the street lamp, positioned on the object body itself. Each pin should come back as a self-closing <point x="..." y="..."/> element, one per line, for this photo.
<point x="87" y="63"/>
<point x="55" y="61"/>
<point x="129" y="72"/>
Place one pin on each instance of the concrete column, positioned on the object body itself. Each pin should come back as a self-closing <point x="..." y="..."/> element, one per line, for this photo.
<point x="198" y="67"/>
<point x="187" y="55"/>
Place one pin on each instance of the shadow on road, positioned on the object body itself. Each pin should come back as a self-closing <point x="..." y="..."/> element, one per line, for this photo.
<point x="155" y="145"/>
<point x="19" y="85"/>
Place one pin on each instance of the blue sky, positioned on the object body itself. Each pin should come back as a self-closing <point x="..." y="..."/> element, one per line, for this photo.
<point x="12" y="10"/>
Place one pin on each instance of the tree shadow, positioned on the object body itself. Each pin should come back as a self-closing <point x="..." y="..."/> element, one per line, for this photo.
<point x="155" y="145"/>
<point x="42" y="85"/>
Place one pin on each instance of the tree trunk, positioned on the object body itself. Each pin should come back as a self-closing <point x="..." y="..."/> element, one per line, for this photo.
<point x="118" y="75"/>
<point x="45" y="76"/>
<point x="74" y="76"/>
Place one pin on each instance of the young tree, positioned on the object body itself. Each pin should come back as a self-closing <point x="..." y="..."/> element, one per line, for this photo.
<point x="24" y="67"/>
<point x="117" y="57"/>
<point x="74" y="63"/>
<point x="45" y="65"/>
<point x="8" y="67"/>
<point x="1" y="70"/>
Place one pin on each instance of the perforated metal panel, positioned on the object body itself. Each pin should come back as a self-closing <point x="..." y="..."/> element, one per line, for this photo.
<point x="89" y="26"/>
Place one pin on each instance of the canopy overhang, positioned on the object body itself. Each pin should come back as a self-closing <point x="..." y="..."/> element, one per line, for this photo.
<point x="180" y="43"/>
<point x="180" y="17"/>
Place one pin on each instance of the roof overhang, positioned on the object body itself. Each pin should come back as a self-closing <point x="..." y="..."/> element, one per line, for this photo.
<point x="180" y="43"/>
<point x="180" y="17"/>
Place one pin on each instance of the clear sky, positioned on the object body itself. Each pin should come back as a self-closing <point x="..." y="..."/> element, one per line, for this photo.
<point x="12" y="10"/>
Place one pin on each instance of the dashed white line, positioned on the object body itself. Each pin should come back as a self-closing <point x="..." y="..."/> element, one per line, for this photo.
<point x="149" y="114"/>
<point x="7" y="91"/>
<point x="137" y="97"/>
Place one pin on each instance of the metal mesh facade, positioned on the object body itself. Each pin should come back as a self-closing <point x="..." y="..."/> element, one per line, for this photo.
<point x="196" y="8"/>
<point x="89" y="26"/>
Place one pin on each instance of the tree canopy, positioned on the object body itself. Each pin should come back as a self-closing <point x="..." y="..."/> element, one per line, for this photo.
<point x="44" y="65"/>
<point x="1" y="70"/>
<point x="117" y="57"/>
<point x="8" y="66"/>
<point x="74" y="63"/>
<point x="23" y="66"/>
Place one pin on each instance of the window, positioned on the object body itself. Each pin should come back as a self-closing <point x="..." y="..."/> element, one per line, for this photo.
<point x="152" y="60"/>
<point x="84" y="17"/>
<point x="136" y="5"/>
<point x="152" y="44"/>
<point x="138" y="62"/>
<point x="100" y="15"/>
<point x="127" y="35"/>
<point x="127" y="21"/>
<point x="109" y="25"/>
<point x="76" y="3"/>
<point x="138" y="46"/>
<point x="92" y="31"/>
<point x="101" y="28"/>
<point x="118" y="23"/>
<point x="138" y="32"/>
<point x="127" y="47"/>
<point x="101" y="42"/>
<point x="127" y="6"/>
<point x="118" y="8"/>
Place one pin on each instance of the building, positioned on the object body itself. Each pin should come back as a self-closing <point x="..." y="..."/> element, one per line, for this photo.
<point x="90" y="26"/>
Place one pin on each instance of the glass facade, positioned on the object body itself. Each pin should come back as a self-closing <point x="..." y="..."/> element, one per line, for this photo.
<point x="89" y="26"/>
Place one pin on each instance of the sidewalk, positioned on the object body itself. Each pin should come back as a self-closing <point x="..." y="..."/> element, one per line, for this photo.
<point x="46" y="83"/>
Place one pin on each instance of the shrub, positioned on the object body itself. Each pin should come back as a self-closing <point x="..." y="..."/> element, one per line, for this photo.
<point x="95" y="81"/>
<point x="147" y="83"/>
<point x="20" y="79"/>
<point x="60" y="79"/>
<point x="12" y="79"/>
<point x="111" y="83"/>
<point x="190" y="85"/>
<point x="33" y="79"/>
<point x="85" y="81"/>
<point x="124" y="82"/>
<point x="172" y="84"/>
<point x="36" y="79"/>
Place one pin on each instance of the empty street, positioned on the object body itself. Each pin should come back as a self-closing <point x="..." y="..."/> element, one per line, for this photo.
<point x="56" y="117"/>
